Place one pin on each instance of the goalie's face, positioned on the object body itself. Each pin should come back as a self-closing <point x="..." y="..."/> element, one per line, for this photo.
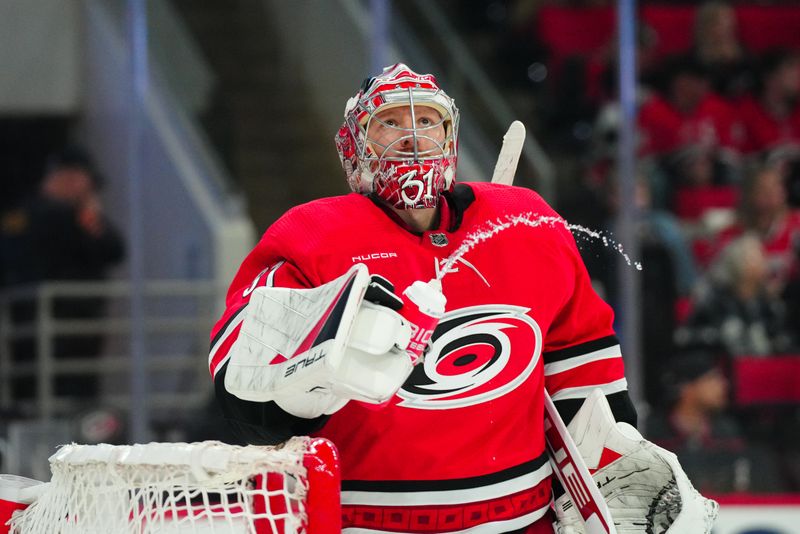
<point x="407" y="132"/>
<point x="409" y="155"/>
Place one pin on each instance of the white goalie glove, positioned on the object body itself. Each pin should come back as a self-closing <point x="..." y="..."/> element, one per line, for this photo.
<point x="644" y="486"/>
<point x="313" y="350"/>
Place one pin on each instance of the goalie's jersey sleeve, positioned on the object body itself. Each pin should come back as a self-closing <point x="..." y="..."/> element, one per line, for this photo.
<point x="461" y="445"/>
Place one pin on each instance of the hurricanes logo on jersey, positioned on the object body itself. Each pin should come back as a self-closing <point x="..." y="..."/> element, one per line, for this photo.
<point x="477" y="354"/>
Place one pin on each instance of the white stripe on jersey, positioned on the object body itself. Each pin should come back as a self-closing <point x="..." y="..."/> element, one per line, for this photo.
<point x="270" y="281"/>
<point x="456" y="497"/>
<point x="231" y="327"/>
<point x="487" y="528"/>
<point x="583" y="391"/>
<point x="576" y="361"/>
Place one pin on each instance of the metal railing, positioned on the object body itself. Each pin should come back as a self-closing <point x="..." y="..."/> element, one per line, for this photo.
<point x="179" y="317"/>
<point x="193" y="207"/>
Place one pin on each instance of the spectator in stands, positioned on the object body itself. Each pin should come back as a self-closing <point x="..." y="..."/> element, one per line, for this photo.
<point x="765" y="212"/>
<point x="597" y="204"/>
<point x="702" y="165"/>
<point x="669" y="274"/>
<point x="660" y="228"/>
<point x="771" y="116"/>
<point x="737" y="311"/>
<point x="685" y="113"/>
<point x="62" y="235"/>
<point x="692" y="132"/>
<point x="694" y="423"/>
<point x="718" y="50"/>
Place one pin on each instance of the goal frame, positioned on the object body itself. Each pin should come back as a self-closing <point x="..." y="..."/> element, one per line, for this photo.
<point x="157" y="468"/>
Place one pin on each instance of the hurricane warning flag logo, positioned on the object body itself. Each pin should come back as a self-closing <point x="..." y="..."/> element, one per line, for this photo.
<point x="477" y="354"/>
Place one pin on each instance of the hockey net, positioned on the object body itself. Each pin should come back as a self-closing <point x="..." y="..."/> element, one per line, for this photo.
<point x="207" y="487"/>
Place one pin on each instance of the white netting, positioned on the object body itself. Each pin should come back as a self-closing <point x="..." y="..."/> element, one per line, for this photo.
<point x="171" y="488"/>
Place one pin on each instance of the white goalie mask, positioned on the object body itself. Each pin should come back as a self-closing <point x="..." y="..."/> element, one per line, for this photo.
<point x="399" y="139"/>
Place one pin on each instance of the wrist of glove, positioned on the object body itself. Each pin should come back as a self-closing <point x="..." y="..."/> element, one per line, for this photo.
<point x="645" y="486"/>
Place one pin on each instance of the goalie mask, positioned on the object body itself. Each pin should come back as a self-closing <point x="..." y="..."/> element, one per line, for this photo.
<point x="399" y="139"/>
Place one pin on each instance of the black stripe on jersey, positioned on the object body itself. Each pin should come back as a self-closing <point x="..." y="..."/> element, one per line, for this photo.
<point x="442" y="329"/>
<point x="390" y="486"/>
<point x="581" y="349"/>
<point x="224" y="328"/>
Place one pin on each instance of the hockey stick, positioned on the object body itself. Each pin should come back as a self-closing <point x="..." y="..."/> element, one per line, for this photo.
<point x="564" y="455"/>
<point x="573" y="473"/>
<point x="508" y="158"/>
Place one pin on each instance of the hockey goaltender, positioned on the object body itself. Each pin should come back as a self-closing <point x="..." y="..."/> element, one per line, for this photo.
<point x="327" y="319"/>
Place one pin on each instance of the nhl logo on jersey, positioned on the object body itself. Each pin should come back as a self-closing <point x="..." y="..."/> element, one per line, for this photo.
<point x="477" y="354"/>
<point x="439" y="240"/>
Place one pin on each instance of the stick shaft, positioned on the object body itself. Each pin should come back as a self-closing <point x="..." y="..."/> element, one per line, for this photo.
<point x="573" y="473"/>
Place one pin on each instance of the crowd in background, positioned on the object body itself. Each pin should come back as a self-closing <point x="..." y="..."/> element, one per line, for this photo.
<point x="717" y="201"/>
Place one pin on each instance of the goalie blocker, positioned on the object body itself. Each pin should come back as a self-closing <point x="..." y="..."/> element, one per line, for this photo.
<point x="313" y="350"/>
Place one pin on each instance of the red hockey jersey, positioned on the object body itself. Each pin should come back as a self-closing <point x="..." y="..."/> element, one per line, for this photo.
<point x="461" y="446"/>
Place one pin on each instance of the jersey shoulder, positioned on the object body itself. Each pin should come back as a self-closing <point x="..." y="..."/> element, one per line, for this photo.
<point x="509" y="199"/>
<point x="504" y="203"/>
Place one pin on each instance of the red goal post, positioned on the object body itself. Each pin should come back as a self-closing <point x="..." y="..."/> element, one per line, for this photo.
<point x="206" y="487"/>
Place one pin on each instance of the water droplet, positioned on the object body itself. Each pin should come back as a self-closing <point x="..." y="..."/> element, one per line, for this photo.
<point x="492" y="228"/>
